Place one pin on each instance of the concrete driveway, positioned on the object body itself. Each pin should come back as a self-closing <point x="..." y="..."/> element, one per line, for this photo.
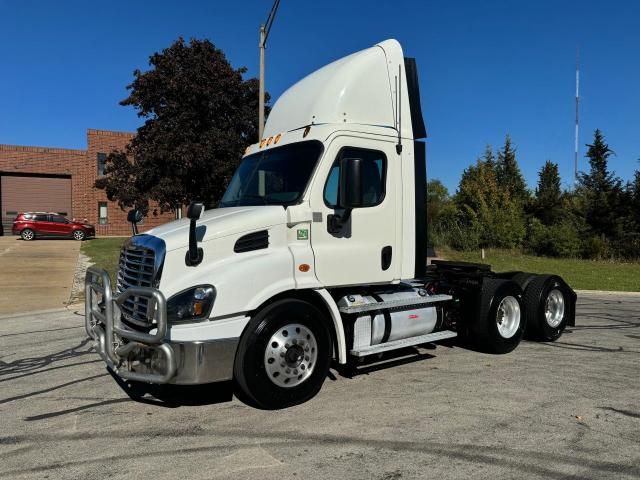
<point x="563" y="410"/>
<point x="36" y="275"/>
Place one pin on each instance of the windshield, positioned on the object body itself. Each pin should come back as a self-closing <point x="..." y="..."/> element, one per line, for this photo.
<point x="277" y="176"/>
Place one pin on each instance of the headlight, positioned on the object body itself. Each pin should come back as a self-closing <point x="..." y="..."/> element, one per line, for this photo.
<point x="191" y="305"/>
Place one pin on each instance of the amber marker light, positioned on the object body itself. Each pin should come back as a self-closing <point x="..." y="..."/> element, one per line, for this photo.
<point x="262" y="142"/>
<point x="277" y="139"/>
<point x="303" y="267"/>
<point x="269" y="141"/>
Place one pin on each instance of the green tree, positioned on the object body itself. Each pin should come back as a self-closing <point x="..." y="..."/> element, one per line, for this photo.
<point x="601" y="191"/>
<point x="437" y="200"/>
<point x="489" y="158"/>
<point x="547" y="204"/>
<point x="200" y="115"/>
<point x="486" y="210"/>
<point x="508" y="173"/>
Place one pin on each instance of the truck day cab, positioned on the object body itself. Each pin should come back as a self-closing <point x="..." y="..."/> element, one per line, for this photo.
<point x="317" y="253"/>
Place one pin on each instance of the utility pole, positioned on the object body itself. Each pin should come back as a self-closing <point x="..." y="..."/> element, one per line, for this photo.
<point x="575" y="159"/>
<point x="265" y="28"/>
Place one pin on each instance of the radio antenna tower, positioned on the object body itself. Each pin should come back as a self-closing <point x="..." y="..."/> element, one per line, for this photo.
<point x="575" y="160"/>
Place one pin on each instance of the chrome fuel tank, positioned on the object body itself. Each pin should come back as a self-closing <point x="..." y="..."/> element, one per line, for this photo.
<point x="388" y="324"/>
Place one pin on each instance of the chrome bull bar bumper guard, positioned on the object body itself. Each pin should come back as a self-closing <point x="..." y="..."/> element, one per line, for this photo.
<point x="103" y="325"/>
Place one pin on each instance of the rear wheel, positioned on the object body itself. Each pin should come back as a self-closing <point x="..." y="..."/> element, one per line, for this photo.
<point x="501" y="322"/>
<point x="27" y="234"/>
<point x="78" y="235"/>
<point x="284" y="355"/>
<point x="548" y="305"/>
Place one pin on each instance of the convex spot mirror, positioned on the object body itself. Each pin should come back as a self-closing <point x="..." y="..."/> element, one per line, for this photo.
<point x="195" y="210"/>
<point x="134" y="216"/>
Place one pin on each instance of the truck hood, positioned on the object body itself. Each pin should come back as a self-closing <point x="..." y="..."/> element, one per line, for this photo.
<point x="220" y="222"/>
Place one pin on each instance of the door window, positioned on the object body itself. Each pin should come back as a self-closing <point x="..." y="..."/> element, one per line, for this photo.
<point x="41" y="218"/>
<point x="58" y="219"/>
<point x="373" y="177"/>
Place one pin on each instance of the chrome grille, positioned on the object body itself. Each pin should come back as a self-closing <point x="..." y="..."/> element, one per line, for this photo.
<point x="140" y="264"/>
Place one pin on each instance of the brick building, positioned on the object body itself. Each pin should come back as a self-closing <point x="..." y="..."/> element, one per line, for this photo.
<point x="62" y="180"/>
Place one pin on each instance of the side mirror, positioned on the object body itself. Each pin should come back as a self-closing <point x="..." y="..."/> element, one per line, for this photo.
<point x="194" y="254"/>
<point x="349" y="192"/>
<point x="134" y="216"/>
<point x="350" y="195"/>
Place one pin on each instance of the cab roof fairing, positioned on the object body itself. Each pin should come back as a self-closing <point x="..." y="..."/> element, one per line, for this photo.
<point x="357" y="89"/>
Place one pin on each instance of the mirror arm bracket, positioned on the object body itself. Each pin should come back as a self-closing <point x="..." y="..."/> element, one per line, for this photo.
<point x="335" y="221"/>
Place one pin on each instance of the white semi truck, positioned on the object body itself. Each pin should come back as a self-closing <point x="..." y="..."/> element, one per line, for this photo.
<point x="316" y="254"/>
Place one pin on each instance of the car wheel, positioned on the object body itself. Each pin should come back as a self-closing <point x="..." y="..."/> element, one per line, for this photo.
<point x="283" y="356"/>
<point x="27" y="234"/>
<point x="547" y="302"/>
<point x="78" y="235"/>
<point x="501" y="322"/>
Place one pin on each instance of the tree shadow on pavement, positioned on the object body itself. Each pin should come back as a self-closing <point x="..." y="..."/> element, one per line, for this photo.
<point x="31" y="364"/>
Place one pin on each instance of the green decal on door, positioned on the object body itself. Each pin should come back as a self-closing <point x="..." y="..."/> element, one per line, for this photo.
<point x="303" y="234"/>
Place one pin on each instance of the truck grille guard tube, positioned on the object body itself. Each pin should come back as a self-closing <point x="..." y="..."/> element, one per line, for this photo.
<point x="103" y="325"/>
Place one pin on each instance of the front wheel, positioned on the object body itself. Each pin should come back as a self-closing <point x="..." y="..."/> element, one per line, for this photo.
<point x="27" y="234"/>
<point x="78" y="235"/>
<point x="284" y="355"/>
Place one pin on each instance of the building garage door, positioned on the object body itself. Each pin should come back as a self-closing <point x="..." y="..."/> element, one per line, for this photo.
<point x="33" y="194"/>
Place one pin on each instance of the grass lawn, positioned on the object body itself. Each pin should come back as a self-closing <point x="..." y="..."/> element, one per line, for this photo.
<point x="579" y="274"/>
<point x="104" y="253"/>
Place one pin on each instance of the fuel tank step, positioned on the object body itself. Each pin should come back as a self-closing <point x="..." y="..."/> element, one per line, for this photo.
<point x="405" y="302"/>
<point x="405" y="342"/>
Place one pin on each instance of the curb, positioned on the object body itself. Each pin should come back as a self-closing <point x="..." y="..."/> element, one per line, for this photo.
<point x="607" y="292"/>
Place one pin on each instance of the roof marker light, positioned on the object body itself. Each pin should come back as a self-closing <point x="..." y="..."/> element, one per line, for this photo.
<point x="269" y="141"/>
<point x="277" y="139"/>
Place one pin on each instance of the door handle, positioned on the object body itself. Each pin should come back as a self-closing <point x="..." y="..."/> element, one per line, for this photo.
<point x="385" y="257"/>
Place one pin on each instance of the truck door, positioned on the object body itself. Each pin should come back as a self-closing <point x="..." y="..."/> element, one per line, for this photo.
<point x="363" y="249"/>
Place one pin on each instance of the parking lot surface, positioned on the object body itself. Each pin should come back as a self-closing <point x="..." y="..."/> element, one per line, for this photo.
<point x="35" y="275"/>
<point x="563" y="410"/>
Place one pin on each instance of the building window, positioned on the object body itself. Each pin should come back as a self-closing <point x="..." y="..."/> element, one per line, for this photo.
<point x="102" y="161"/>
<point x="102" y="213"/>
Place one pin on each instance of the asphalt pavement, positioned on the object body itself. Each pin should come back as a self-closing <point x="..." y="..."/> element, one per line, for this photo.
<point x="563" y="410"/>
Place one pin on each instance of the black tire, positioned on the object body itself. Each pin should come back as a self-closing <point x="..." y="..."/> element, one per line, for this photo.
<point x="78" y="235"/>
<point x="27" y="235"/>
<point x="250" y="373"/>
<point x="485" y="331"/>
<point x="523" y="279"/>
<point x="535" y="303"/>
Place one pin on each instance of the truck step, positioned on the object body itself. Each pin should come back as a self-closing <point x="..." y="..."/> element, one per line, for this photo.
<point x="405" y="342"/>
<point x="405" y="302"/>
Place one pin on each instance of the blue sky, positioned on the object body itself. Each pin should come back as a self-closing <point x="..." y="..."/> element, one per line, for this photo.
<point x="486" y="68"/>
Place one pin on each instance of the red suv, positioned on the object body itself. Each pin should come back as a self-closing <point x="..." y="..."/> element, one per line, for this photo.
<point x="38" y="224"/>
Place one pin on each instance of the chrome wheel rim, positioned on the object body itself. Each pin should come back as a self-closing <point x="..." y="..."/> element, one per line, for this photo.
<point x="28" y="235"/>
<point x="291" y="355"/>
<point x="554" y="308"/>
<point x="78" y="235"/>
<point x="508" y="317"/>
